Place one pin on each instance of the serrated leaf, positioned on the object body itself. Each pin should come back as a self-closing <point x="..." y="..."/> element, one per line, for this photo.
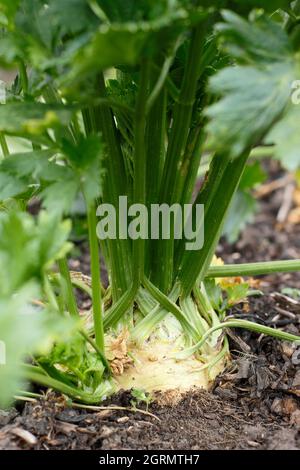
<point x="123" y="43"/>
<point x="52" y="236"/>
<point x="57" y="184"/>
<point x="86" y="157"/>
<point x="236" y="293"/>
<point x="252" y="101"/>
<point x="256" y="94"/>
<point x="285" y="135"/>
<point x="261" y="40"/>
<point x="32" y="118"/>
<point x="25" y="173"/>
<point x="84" y="174"/>
<point x="34" y="163"/>
<point x="71" y="16"/>
<point x="59" y="196"/>
<point x="54" y="19"/>
<point x="113" y="45"/>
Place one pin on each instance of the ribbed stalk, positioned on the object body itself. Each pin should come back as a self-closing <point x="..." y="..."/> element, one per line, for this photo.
<point x="156" y="137"/>
<point x="96" y="279"/>
<point x="254" y="269"/>
<point x="69" y="295"/>
<point x="206" y="197"/>
<point x="196" y="263"/>
<point x="244" y="324"/>
<point x="140" y="166"/>
<point x="170" y="306"/>
<point x="182" y="115"/>
<point x="163" y="276"/>
<point x="119" y="308"/>
<point x="119" y="259"/>
<point x="191" y="164"/>
<point x="187" y="183"/>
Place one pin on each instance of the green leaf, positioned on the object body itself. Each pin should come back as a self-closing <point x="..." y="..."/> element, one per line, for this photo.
<point x="25" y="330"/>
<point x="110" y="46"/>
<point x="285" y="136"/>
<point x="260" y="40"/>
<point x="124" y="43"/>
<point x="34" y="163"/>
<point x="53" y="19"/>
<point x="236" y="293"/>
<point x="256" y="94"/>
<point x="292" y="292"/>
<point x="32" y="118"/>
<point x="56" y="182"/>
<point x="240" y="213"/>
<point x="11" y="186"/>
<point x="59" y="196"/>
<point x="138" y="10"/>
<point x="85" y="174"/>
<point x="36" y="166"/>
<point x="20" y="333"/>
<point x="214" y="293"/>
<point x="25" y="173"/>
<point x="29" y="247"/>
<point x="253" y="175"/>
<point x="8" y="9"/>
<point x="86" y="158"/>
<point x="252" y="101"/>
<point x="71" y="16"/>
<point x="52" y="236"/>
<point x="17" y="252"/>
<point x="267" y="5"/>
<point x="74" y="355"/>
<point x="245" y="6"/>
<point x="10" y="49"/>
<point x="244" y="205"/>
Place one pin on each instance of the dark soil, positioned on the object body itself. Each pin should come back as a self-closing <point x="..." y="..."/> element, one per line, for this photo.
<point x="255" y="404"/>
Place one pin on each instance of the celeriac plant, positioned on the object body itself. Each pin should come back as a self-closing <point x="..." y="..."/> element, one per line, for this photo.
<point x="129" y="98"/>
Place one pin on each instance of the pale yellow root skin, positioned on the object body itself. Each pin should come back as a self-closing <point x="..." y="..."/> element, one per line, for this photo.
<point x="155" y="369"/>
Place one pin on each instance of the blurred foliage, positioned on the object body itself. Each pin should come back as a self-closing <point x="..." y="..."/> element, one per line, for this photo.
<point x="28" y="250"/>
